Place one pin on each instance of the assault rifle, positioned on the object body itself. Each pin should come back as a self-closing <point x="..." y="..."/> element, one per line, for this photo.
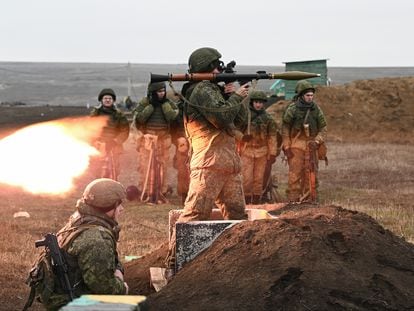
<point x="231" y="77"/>
<point x="58" y="262"/>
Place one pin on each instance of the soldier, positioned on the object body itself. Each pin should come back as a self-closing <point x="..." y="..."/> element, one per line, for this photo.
<point x="215" y="177"/>
<point x="90" y="241"/>
<point x="181" y="157"/>
<point x="303" y="127"/>
<point x="260" y="149"/>
<point x="153" y="117"/>
<point x="113" y="135"/>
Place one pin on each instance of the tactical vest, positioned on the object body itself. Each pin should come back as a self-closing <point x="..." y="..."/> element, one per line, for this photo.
<point x="299" y="115"/>
<point x="157" y="121"/>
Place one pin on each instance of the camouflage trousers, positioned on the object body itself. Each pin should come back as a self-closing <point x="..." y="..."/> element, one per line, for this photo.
<point x="253" y="170"/>
<point x="162" y="154"/>
<point x="209" y="188"/>
<point x="298" y="179"/>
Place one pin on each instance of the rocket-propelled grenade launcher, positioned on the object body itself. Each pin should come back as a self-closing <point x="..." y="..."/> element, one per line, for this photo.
<point x="231" y="77"/>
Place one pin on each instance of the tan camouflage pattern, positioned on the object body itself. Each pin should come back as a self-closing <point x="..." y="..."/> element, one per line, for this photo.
<point x="253" y="169"/>
<point x="215" y="168"/>
<point x="163" y="145"/>
<point x="256" y="152"/>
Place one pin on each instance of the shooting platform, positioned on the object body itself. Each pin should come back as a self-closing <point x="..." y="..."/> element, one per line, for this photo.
<point x="195" y="236"/>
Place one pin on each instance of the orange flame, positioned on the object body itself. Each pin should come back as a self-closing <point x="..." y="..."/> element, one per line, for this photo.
<point x="47" y="157"/>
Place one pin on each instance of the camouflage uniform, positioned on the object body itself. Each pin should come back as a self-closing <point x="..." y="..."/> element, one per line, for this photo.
<point x="181" y="157"/>
<point x="113" y="135"/>
<point x="257" y="152"/>
<point x="93" y="256"/>
<point x="295" y="139"/>
<point x="154" y="117"/>
<point x="215" y="169"/>
<point x="215" y="177"/>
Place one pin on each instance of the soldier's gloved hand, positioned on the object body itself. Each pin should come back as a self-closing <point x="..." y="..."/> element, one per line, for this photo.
<point x="288" y="153"/>
<point x="271" y="158"/>
<point x="313" y="145"/>
<point x="247" y="138"/>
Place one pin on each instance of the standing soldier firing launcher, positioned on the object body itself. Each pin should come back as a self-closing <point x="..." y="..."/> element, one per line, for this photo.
<point x="215" y="176"/>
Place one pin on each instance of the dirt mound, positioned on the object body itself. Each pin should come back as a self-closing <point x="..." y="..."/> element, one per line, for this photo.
<point x="137" y="272"/>
<point x="378" y="110"/>
<point x="315" y="258"/>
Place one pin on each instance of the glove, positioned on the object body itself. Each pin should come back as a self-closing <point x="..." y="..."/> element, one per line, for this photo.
<point x="247" y="138"/>
<point x="288" y="153"/>
<point x="313" y="145"/>
<point x="271" y="159"/>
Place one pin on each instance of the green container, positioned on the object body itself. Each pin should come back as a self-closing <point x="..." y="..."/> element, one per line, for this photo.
<point x="316" y="66"/>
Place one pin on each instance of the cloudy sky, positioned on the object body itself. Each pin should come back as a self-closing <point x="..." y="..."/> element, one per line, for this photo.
<point x="259" y="32"/>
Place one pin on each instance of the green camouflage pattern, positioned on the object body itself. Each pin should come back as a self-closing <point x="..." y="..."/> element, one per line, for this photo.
<point x="258" y="95"/>
<point x="145" y="109"/>
<point x="215" y="177"/>
<point x="93" y="256"/>
<point x="117" y="127"/>
<point x="302" y="86"/>
<point x="294" y="137"/>
<point x="263" y="129"/>
<point x="292" y="125"/>
<point x="152" y="87"/>
<point x="255" y="153"/>
<point x="207" y="122"/>
<point x="202" y="59"/>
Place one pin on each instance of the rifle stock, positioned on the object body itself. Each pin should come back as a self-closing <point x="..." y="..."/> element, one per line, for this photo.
<point x="58" y="261"/>
<point x="231" y="77"/>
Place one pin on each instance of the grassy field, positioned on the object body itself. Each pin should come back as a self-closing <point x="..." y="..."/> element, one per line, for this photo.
<point x="376" y="179"/>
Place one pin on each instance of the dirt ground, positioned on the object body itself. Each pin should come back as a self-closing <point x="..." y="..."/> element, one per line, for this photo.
<point x="310" y="257"/>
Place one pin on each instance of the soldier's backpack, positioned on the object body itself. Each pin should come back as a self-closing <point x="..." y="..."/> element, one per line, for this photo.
<point x="42" y="278"/>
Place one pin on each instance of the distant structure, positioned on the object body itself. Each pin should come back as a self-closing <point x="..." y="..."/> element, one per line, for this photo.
<point x="317" y="66"/>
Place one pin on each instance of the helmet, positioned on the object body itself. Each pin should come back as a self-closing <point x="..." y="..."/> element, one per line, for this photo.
<point x="104" y="194"/>
<point x="302" y="86"/>
<point x="132" y="193"/>
<point x="203" y="60"/>
<point x="156" y="86"/>
<point x="106" y="92"/>
<point x="258" y="95"/>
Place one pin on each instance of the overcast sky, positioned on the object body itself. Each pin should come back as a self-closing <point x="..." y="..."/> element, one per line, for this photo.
<point x="258" y="32"/>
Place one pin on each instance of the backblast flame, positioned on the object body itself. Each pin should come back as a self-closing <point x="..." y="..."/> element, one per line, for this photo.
<point x="45" y="158"/>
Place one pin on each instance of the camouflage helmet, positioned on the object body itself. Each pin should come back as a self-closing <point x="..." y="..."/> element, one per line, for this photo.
<point x="106" y="92"/>
<point x="302" y="86"/>
<point x="203" y="60"/>
<point x="258" y="95"/>
<point x="156" y="86"/>
<point x="104" y="194"/>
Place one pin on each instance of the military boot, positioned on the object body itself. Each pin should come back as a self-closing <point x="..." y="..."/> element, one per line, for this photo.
<point x="248" y="199"/>
<point x="256" y="199"/>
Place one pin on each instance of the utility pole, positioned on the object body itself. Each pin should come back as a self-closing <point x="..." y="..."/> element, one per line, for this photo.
<point x="129" y="79"/>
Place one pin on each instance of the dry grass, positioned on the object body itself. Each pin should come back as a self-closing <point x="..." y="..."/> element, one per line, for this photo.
<point x="375" y="179"/>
